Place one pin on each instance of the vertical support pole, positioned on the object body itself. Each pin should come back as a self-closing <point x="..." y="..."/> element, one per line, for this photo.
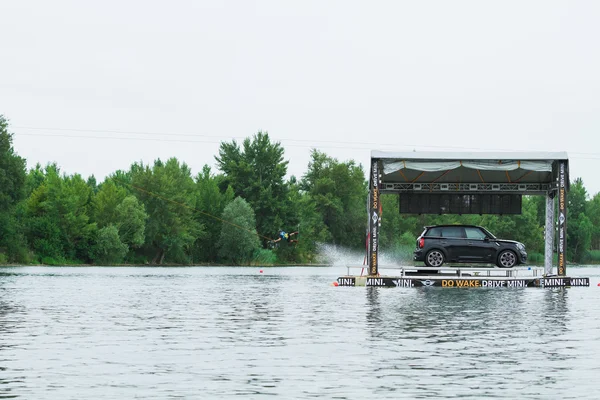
<point x="374" y="217"/>
<point x="549" y="248"/>
<point x="562" y="218"/>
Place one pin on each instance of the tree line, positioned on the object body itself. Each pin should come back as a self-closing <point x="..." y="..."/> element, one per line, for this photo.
<point x="160" y="213"/>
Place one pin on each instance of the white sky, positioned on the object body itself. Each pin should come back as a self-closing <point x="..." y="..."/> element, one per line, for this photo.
<point x="342" y="76"/>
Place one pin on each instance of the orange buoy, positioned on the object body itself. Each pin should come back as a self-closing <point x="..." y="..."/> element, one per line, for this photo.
<point x="261" y="271"/>
<point x="336" y="284"/>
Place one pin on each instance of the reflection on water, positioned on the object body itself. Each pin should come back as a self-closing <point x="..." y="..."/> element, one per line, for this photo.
<point x="11" y="318"/>
<point x="106" y="333"/>
<point x="554" y="311"/>
<point x="465" y="340"/>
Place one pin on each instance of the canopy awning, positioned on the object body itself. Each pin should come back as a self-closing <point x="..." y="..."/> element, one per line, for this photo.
<point x="525" y="172"/>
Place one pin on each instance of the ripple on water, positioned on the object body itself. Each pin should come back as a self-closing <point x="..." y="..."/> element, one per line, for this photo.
<point x="105" y="333"/>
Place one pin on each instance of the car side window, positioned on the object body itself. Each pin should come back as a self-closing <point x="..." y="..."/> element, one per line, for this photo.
<point x="453" y="232"/>
<point x="434" y="232"/>
<point x="474" y="233"/>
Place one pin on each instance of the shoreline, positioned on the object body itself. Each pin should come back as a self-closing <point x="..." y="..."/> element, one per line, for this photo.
<point x="169" y="265"/>
<point x="221" y="265"/>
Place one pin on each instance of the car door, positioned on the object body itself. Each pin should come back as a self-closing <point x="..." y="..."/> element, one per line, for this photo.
<point x="479" y="246"/>
<point x="454" y="242"/>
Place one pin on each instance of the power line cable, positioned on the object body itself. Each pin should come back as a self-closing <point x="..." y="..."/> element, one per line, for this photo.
<point x="168" y="140"/>
<point x="277" y="139"/>
<point x="213" y="136"/>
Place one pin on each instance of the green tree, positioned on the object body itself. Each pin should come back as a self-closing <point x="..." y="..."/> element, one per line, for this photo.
<point x="131" y="221"/>
<point x="539" y="203"/>
<point x="105" y="202"/>
<point x="579" y="237"/>
<point x="593" y="213"/>
<point x="36" y="176"/>
<point x="257" y="173"/>
<point x="108" y="248"/>
<point x="12" y="190"/>
<point x="577" y="198"/>
<point x="12" y="170"/>
<point x="93" y="184"/>
<point x="210" y="202"/>
<point x="309" y="224"/>
<point x="167" y="192"/>
<point x="339" y="191"/>
<point x="579" y="226"/>
<point x="57" y="218"/>
<point x="114" y="206"/>
<point x="239" y="239"/>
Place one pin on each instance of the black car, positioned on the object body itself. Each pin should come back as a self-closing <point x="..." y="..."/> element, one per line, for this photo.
<point x="466" y="244"/>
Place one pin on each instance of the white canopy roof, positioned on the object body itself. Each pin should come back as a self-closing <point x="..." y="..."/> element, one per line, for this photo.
<point x="470" y="167"/>
<point x="470" y="155"/>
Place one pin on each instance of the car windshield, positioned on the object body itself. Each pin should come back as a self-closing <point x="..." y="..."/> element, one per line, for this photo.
<point x="489" y="233"/>
<point x="475" y="233"/>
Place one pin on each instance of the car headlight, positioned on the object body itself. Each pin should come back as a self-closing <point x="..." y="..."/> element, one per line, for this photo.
<point x="520" y="246"/>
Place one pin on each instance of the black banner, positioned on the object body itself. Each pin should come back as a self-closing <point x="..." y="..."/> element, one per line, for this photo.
<point x="562" y="220"/>
<point x="374" y="218"/>
<point x="346" y="281"/>
<point x="402" y="282"/>
<point x="563" y="281"/>
<point x="435" y="203"/>
<point x="451" y="282"/>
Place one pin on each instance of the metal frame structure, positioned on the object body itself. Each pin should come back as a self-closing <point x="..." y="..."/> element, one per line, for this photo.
<point x="464" y="188"/>
<point x="431" y="172"/>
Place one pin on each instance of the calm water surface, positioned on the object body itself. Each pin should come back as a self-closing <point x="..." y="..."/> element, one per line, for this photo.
<point x="214" y="333"/>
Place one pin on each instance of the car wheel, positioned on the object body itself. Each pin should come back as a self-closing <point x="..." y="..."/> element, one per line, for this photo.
<point x="507" y="259"/>
<point x="434" y="258"/>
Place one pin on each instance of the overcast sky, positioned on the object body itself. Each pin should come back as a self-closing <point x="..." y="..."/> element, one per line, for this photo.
<point x="345" y="77"/>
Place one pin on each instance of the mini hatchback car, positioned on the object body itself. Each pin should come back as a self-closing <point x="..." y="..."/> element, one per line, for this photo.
<point x="466" y="244"/>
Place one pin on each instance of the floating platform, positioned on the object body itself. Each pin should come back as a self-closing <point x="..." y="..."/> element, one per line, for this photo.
<point x="463" y="276"/>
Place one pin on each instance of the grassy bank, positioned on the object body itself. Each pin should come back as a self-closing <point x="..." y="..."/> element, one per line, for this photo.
<point x="260" y="258"/>
<point x="170" y="265"/>
<point x="401" y="254"/>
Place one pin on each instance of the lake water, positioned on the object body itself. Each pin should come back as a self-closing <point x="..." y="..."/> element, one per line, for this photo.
<point x="218" y="333"/>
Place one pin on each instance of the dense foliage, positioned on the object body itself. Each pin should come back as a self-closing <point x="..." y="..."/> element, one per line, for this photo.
<point x="161" y="214"/>
<point x="238" y="240"/>
<point x="12" y="191"/>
